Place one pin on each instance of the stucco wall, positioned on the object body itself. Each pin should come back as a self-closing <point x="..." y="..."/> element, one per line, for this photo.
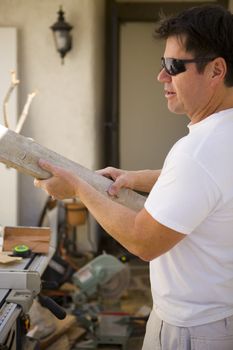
<point x="231" y="5"/>
<point x="66" y="114"/>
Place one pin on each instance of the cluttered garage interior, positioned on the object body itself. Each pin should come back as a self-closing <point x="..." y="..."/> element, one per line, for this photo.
<point x="78" y="87"/>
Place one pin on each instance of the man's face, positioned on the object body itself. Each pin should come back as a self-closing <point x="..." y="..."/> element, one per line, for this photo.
<point x="188" y="92"/>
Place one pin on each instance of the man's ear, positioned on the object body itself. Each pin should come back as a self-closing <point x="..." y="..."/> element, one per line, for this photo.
<point x="219" y="68"/>
<point x="216" y="71"/>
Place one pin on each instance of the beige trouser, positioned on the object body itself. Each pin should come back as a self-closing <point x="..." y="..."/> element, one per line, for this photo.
<point x="212" y="336"/>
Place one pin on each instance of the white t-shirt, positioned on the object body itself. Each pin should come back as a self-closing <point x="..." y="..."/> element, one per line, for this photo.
<point x="192" y="284"/>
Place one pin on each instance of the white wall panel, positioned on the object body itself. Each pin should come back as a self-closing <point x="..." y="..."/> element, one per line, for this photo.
<point x="8" y="177"/>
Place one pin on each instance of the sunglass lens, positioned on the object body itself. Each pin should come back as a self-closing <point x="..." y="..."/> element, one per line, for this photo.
<point x="173" y="66"/>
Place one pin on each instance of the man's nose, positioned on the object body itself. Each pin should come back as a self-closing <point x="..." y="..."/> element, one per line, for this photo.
<point x="163" y="76"/>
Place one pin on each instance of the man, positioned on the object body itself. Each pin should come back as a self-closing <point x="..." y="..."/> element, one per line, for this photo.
<point x="186" y="227"/>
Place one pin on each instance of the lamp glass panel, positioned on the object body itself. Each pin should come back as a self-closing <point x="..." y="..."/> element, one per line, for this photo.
<point x="61" y="40"/>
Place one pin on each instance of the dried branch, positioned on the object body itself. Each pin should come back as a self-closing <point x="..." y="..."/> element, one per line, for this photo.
<point x="24" y="113"/>
<point x="14" y="83"/>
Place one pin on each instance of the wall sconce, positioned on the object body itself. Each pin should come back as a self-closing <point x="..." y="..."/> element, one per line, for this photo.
<point x="61" y="33"/>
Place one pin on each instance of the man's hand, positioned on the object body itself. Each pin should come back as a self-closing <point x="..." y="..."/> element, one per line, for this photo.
<point x="121" y="178"/>
<point x="62" y="184"/>
<point x="140" y="180"/>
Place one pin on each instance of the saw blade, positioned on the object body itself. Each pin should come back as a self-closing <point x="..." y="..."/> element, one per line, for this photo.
<point x="116" y="286"/>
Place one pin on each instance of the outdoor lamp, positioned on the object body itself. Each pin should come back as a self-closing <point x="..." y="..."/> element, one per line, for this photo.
<point x="61" y="33"/>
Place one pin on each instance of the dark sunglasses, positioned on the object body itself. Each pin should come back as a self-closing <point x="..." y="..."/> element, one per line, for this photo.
<point x="174" y="66"/>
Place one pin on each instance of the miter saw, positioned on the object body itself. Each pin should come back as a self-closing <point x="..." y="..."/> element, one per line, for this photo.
<point x="107" y="278"/>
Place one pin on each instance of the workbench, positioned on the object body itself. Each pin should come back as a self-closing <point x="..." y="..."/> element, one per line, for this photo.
<point x="20" y="283"/>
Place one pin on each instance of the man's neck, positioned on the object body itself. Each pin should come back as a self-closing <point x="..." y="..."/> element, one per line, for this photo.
<point x="216" y="104"/>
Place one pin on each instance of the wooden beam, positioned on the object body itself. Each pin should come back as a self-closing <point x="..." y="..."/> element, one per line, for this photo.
<point x="23" y="153"/>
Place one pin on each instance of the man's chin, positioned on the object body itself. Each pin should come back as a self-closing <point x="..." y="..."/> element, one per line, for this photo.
<point x="176" y="110"/>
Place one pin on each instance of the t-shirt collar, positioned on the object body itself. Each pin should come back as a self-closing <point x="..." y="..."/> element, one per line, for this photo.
<point x="211" y="117"/>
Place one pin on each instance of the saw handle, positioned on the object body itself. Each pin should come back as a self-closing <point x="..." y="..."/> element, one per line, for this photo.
<point x="50" y="304"/>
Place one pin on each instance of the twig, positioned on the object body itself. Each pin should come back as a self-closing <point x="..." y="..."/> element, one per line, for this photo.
<point x="14" y="83"/>
<point x="24" y="113"/>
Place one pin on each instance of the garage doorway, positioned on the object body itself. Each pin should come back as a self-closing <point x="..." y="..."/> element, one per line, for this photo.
<point x="139" y="130"/>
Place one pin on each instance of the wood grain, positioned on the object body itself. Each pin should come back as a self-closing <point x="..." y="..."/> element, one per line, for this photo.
<point x="36" y="238"/>
<point x="22" y="153"/>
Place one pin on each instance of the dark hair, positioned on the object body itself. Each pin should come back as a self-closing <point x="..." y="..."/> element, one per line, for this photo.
<point x="208" y="32"/>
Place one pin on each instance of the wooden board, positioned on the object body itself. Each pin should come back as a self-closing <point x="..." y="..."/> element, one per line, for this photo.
<point x="62" y="327"/>
<point x="37" y="238"/>
<point x="22" y="153"/>
<point x="6" y="259"/>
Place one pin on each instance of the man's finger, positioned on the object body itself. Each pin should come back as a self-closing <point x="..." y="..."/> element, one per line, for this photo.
<point x="107" y="172"/>
<point x="37" y="183"/>
<point x="44" y="164"/>
<point x="112" y="190"/>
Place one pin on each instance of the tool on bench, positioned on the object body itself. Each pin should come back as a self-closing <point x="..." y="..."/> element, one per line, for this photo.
<point x="107" y="277"/>
<point x="22" y="250"/>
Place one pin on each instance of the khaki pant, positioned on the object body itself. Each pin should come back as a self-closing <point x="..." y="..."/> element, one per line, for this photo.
<point x="212" y="336"/>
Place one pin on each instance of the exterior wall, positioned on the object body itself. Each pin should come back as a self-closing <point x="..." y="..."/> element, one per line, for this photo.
<point x="66" y="115"/>
<point x="231" y="5"/>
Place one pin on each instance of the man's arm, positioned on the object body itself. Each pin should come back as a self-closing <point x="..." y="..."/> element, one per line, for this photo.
<point x="137" y="232"/>
<point x="141" y="234"/>
<point x="141" y="180"/>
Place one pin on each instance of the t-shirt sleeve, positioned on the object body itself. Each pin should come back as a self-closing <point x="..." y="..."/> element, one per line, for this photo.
<point x="184" y="195"/>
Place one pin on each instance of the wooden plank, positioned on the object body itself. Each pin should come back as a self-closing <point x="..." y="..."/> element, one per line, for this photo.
<point x="6" y="259"/>
<point x="63" y="326"/>
<point x="36" y="238"/>
<point x="22" y="153"/>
